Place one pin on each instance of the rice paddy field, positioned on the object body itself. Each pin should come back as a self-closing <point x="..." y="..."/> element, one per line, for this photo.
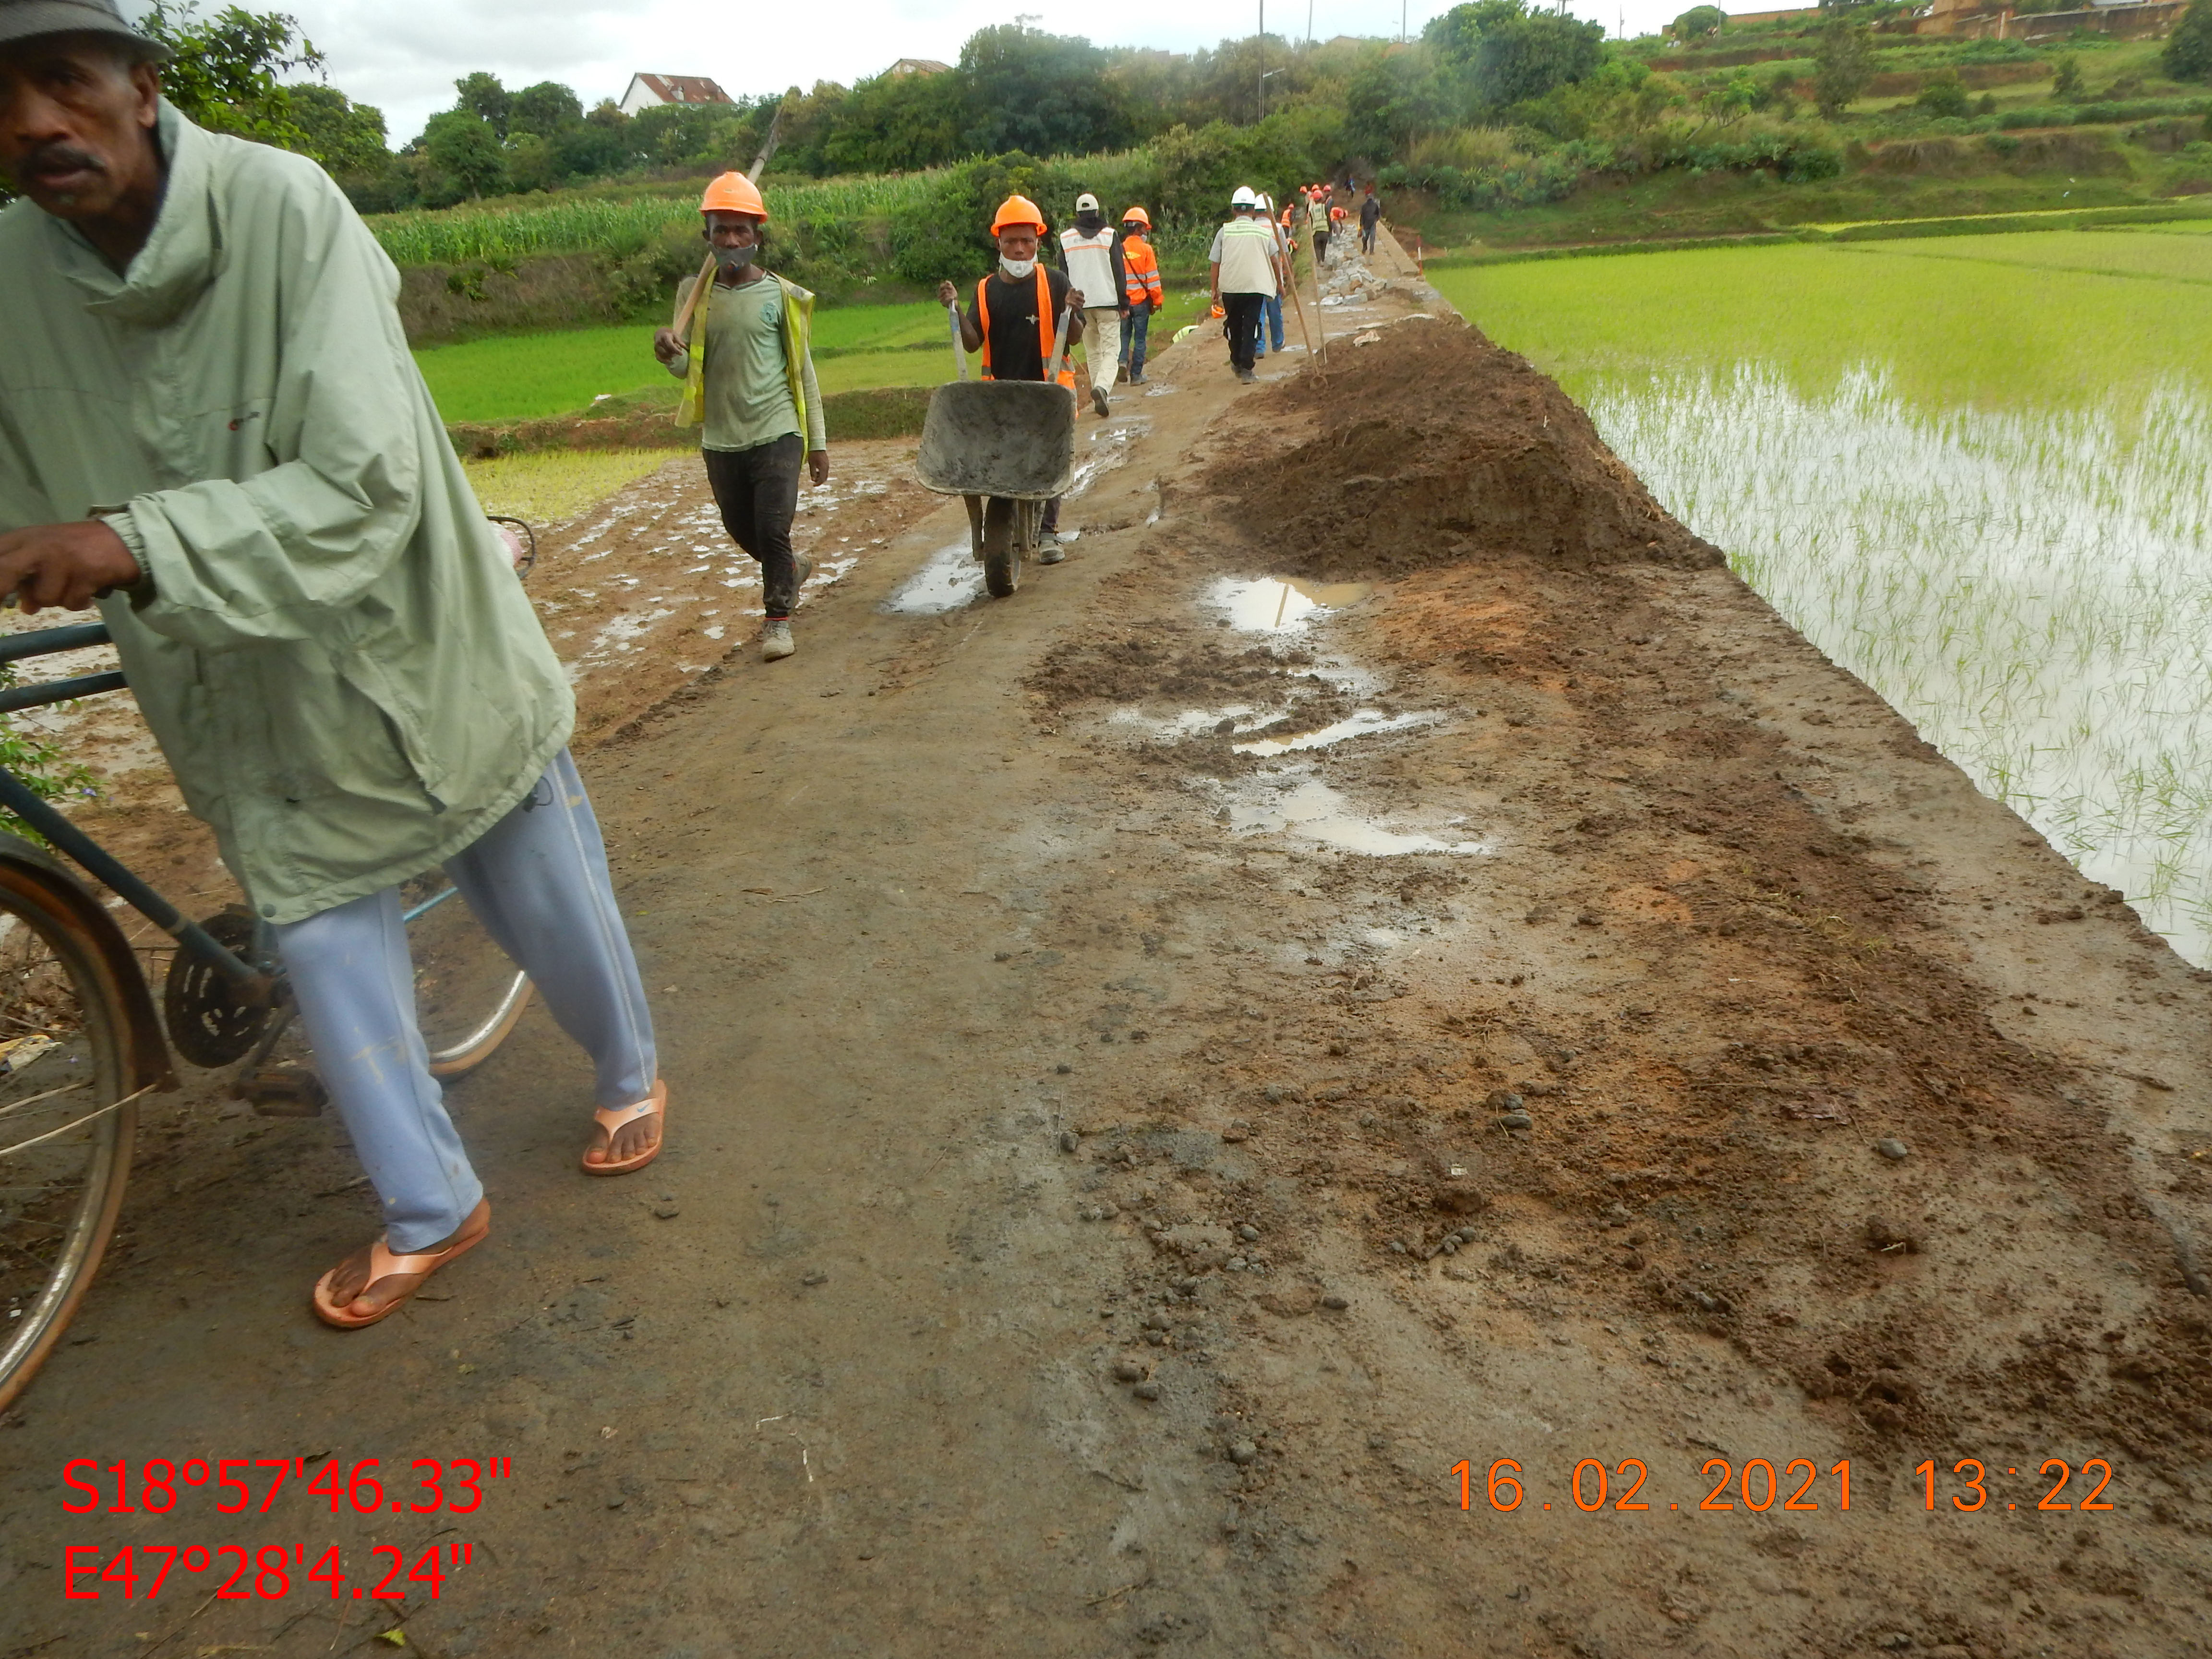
<point x="1972" y="470"/>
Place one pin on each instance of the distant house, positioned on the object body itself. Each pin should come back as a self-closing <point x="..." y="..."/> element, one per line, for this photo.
<point x="918" y="66"/>
<point x="648" y="90"/>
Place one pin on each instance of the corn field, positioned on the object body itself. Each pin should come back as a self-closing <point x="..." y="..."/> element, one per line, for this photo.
<point x="457" y="235"/>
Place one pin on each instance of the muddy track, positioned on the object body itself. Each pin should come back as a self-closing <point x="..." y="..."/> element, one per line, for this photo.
<point x="1165" y="1070"/>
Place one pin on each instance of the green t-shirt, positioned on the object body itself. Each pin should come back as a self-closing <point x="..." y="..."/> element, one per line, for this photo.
<point x="748" y="393"/>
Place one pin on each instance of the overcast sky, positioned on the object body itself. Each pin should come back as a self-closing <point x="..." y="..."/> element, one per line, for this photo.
<point x="403" y="55"/>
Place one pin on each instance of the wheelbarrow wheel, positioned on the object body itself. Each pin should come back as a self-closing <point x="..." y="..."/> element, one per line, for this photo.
<point x="1002" y="557"/>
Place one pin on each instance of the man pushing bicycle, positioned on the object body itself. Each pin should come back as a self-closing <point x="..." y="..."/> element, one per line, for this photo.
<point x="210" y="424"/>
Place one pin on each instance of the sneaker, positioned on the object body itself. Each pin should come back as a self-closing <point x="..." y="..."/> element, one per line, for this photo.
<point x="1247" y="376"/>
<point x="1136" y="377"/>
<point x="806" y="571"/>
<point x="1098" y="401"/>
<point x="776" y="641"/>
<point x="1122" y="375"/>
<point x="1049" y="551"/>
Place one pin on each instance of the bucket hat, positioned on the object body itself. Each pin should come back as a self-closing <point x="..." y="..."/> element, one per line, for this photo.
<point x="27" y="20"/>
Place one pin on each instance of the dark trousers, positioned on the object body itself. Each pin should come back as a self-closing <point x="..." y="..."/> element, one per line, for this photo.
<point x="1132" y="337"/>
<point x="1242" y="315"/>
<point x="1367" y="239"/>
<point x="1321" y="247"/>
<point x="757" y="491"/>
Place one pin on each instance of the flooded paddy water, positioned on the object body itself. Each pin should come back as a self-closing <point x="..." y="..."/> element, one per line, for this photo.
<point x="1971" y="470"/>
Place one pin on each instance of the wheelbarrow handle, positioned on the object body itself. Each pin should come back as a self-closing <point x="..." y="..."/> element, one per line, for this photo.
<point x="959" y="348"/>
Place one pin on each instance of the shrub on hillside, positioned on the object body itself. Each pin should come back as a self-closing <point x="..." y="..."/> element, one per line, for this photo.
<point x="2188" y="55"/>
<point x="1944" y="94"/>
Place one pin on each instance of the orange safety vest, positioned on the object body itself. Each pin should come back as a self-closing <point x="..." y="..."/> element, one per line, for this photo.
<point x="1140" y="273"/>
<point x="1044" y="324"/>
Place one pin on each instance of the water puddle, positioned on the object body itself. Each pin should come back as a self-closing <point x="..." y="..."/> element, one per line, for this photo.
<point x="952" y="578"/>
<point x="1282" y="605"/>
<point x="1363" y="723"/>
<point x="1313" y="812"/>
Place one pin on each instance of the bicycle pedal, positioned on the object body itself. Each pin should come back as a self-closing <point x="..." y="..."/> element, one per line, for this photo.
<point x="283" y="1092"/>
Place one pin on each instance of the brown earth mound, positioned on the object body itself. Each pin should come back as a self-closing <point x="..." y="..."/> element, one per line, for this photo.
<point x="1440" y="446"/>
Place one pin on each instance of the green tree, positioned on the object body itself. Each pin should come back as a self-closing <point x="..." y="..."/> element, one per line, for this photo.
<point x="1391" y="98"/>
<point x="1843" y="64"/>
<point x="1524" y="54"/>
<point x="544" y="110"/>
<point x="1944" y="94"/>
<point x="1698" y="23"/>
<point x="346" y="138"/>
<point x="222" y="70"/>
<point x="466" y="152"/>
<point x="482" y="96"/>
<point x="2188" y="55"/>
<point x="1046" y="94"/>
<point x="2066" y="78"/>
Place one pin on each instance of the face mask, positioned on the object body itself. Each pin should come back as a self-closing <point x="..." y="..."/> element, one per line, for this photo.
<point x="734" y="259"/>
<point x="1017" y="269"/>
<point x="1088" y="222"/>
<point x="1133" y="230"/>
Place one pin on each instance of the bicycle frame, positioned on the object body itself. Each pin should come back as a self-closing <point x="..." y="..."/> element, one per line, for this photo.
<point x="257" y="983"/>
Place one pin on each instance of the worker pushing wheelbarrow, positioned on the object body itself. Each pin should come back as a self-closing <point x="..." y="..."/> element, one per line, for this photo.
<point x="1006" y="443"/>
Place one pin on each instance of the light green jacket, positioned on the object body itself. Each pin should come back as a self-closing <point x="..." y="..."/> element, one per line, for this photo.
<point x="333" y="651"/>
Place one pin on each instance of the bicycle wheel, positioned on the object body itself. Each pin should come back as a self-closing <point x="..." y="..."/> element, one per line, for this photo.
<point x="468" y="995"/>
<point x="67" y="1116"/>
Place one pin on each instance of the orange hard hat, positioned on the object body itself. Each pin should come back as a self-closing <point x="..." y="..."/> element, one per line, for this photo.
<point x="732" y="192"/>
<point x="1017" y="210"/>
<point x="1137" y="216"/>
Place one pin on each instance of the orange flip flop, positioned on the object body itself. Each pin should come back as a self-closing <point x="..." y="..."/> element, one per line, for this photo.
<point x="613" y="1120"/>
<point x="383" y="1264"/>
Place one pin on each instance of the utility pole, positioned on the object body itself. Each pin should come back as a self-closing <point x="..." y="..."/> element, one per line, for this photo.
<point x="1401" y="22"/>
<point x="1263" y="59"/>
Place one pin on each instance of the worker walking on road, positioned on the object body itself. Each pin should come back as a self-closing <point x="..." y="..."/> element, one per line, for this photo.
<point x="751" y="381"/>
<point x="1091" y="254"/>
<point x="1140" y="287"/>
<point x="1014" y="319"/>
<point x="215" y="428"/>
<point x="1317" y="223"/>
<point x="1371" y="215"/>
<point x="1244" y="270"/>
<point x="1270" y="313"/>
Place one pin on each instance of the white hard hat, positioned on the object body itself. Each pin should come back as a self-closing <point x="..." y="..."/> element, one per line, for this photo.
<point x="1243" y="198"/>
<point x="1086" y="203"/>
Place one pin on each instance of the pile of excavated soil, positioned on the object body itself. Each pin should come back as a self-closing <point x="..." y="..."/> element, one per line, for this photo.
<point x="1437" y="447"/>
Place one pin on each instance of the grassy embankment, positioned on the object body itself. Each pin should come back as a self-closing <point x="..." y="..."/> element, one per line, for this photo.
<point x="1971" y="470"/>
<point x="2133" y="138"/>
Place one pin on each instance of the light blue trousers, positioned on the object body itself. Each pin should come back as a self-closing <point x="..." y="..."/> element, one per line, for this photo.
<point x="537" y="881"/>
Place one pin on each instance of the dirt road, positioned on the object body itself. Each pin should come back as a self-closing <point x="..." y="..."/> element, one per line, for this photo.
<point x="1168" y="1064"/>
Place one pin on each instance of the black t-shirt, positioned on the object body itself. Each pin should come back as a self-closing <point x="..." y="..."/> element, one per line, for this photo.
<point x="1016" y="354"/>
<point x="1369" y="211"/>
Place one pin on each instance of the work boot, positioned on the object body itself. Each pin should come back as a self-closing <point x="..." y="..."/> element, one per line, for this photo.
<point x="1098" y="402"/>
<point x="1049" y="551"/>
<point x="1122" y="375"/>
<point x="776" y="639"/>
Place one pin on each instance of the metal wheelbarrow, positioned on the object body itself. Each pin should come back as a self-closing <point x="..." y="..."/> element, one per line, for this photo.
<point x="1006" y="447"/>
